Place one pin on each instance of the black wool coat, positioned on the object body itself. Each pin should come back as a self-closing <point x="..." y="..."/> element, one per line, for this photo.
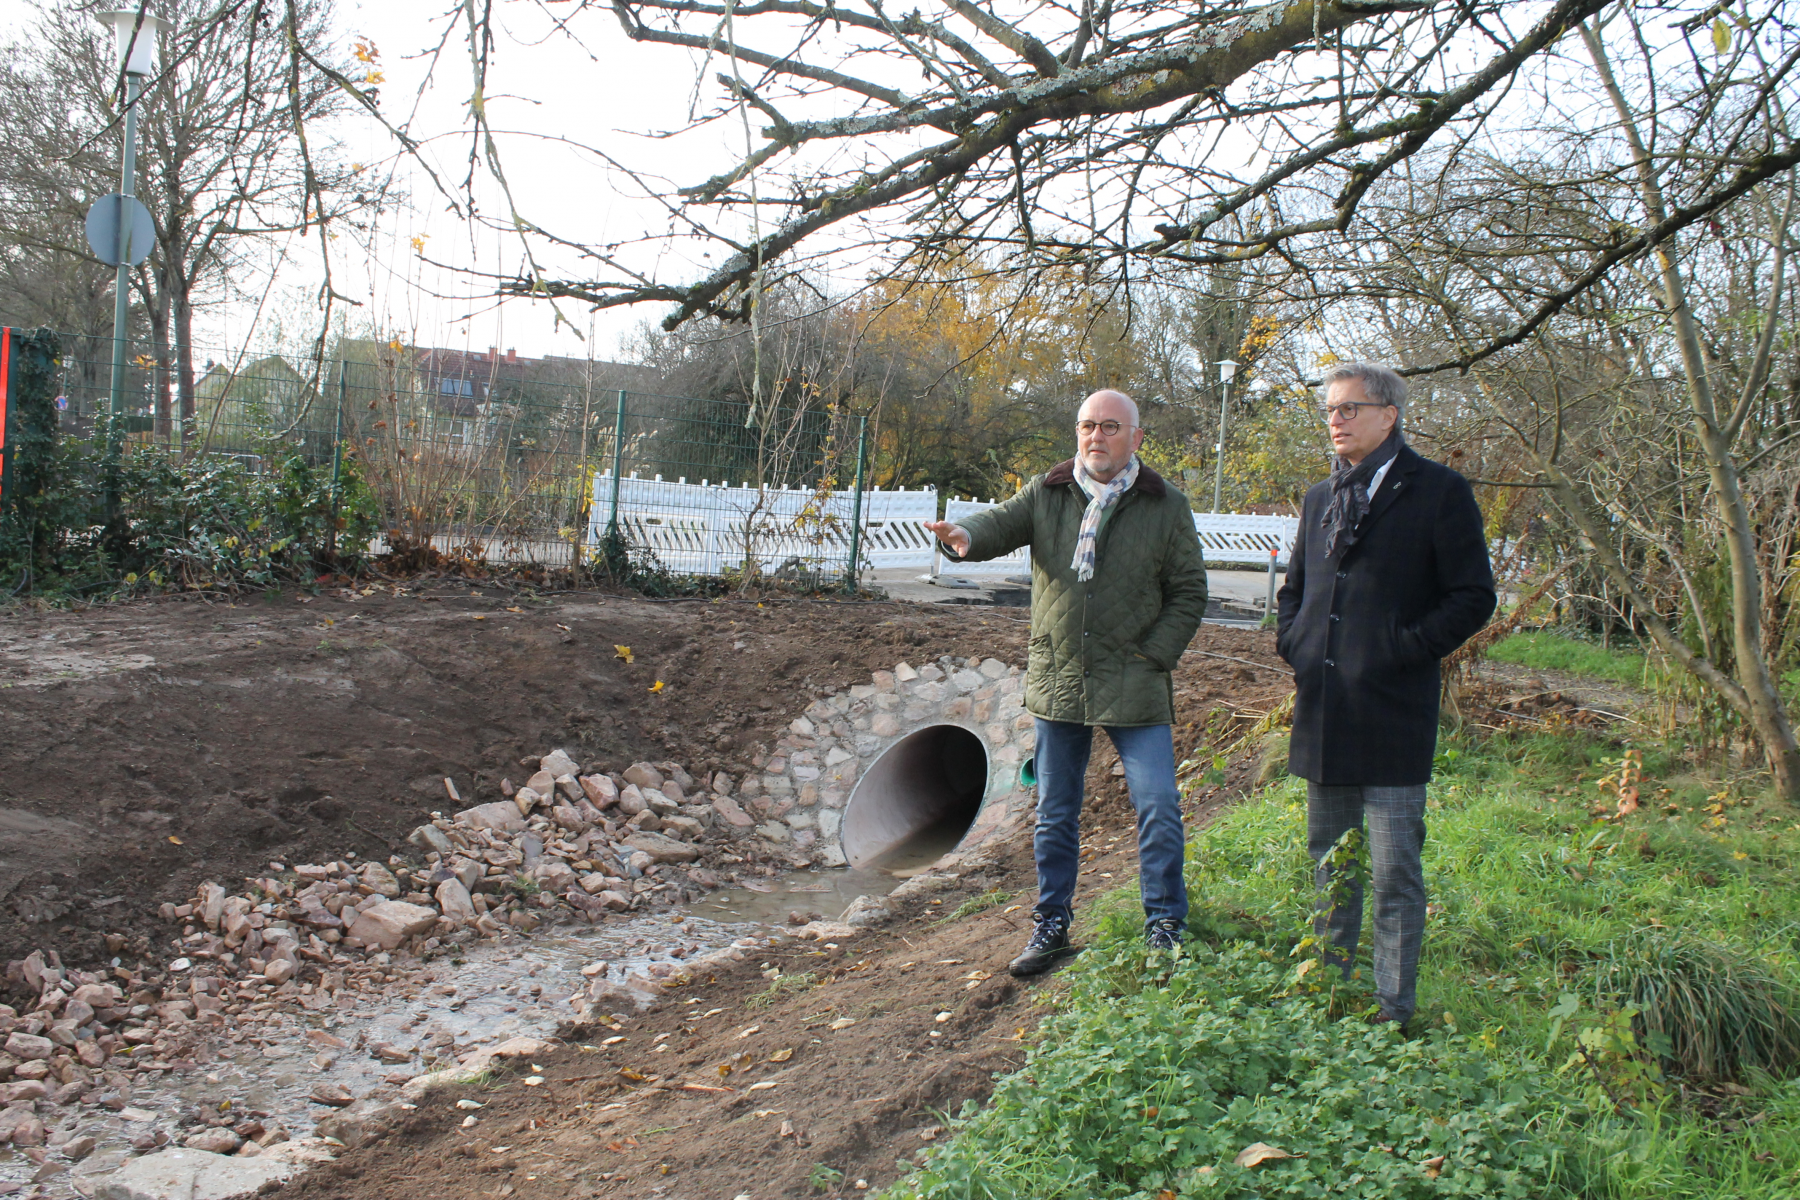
<point x="1364" y="630"/>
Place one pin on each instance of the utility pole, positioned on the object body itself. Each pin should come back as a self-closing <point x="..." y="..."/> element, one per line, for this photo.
<point x="1227" y="368"/>
<point x="134" y="39"/>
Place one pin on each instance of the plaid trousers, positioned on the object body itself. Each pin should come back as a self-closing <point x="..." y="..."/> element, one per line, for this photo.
<point x="1396" y="838"/>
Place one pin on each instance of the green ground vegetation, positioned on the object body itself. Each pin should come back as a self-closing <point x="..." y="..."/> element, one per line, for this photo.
<point x="1608" y="1010"/>
<point x="1544" y="650"/>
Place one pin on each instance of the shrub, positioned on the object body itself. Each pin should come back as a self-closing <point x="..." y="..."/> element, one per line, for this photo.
<point x="1713" y="1011"/>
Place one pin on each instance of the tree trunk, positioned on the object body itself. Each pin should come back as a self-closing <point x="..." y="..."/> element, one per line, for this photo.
<point x="1766" y="711"/>
<point x="184" y="355"/>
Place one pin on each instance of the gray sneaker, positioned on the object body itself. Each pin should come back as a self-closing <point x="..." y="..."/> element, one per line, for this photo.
<point x="1164" y="933"/>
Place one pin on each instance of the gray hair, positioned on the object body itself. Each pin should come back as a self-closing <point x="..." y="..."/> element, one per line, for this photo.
<point x="1380" y="383"/>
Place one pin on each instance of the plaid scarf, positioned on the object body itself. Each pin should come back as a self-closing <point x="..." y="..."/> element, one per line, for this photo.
<point x="1349" y="502"/>
<point x="1099" y="496"/>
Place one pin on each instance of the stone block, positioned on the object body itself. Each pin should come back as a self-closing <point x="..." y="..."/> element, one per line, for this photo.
<point x="931" y="672"/>
<point x="861" y="691"/>
<point x="993" y="668"/>
<point x="385" y="924"/>
<point x="501" y="816"/>
<point x="662" y="849"/>
<point x="192" y="1175"/>
<point x="801" y="820"/>
<point x="430" y="839"/>
<point x="29" y="1046"/>
<point x="884" y="725"/>
<point x="643" y="775"/>
<point x="455" y="900"/>
<point x="928" y="690"/>
<point x="631" y="800"/>
<point x="774" y="831"/>
<point x="600" y="791"/>
<point x="830" y="821"/>
<point x="731" y="813"/>
<point x="966" y="681"/>
<point x="904" y="673"/>
<point x="888" y="702"/>
<point x="981" y="712"/>
<point x="883" y="681"/>
<point x="542" y="782"/>
<point x="379" y="880"/>
<point x="958" y="709"/>
<point x="558" y="762"/>
<point x="802" y="726"/>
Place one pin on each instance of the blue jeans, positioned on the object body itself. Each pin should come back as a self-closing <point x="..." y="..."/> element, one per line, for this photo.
<point x="1395" y="817"/>
<point x="1148" y="752"/>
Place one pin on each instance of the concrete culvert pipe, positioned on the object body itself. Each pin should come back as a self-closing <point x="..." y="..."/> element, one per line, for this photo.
<point x="921" y="795"/>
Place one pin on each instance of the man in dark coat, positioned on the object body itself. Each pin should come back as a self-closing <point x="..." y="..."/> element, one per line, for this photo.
<point x="1388" y="575"/>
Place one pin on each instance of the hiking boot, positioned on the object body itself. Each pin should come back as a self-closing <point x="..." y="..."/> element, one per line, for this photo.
<point x="1164" y="933"/>
<point x="1049" y="942"/>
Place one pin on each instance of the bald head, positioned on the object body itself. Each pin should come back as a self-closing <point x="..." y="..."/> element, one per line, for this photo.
<point x="1116" y="405"/>
<point x="1103" y="454"/>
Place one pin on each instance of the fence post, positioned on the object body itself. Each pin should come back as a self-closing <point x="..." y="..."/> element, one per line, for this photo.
<point x="337" y="462"/>
<point x="852" y="569"/>
<point x="1269" y="608"/>
<point x="612" y="521"/>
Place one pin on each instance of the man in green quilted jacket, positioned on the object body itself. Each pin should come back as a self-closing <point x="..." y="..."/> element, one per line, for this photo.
<point x="1118" y="587"/>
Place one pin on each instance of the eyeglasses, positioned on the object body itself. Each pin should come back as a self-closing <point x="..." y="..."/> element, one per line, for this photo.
<point x="1109" y="428"/>
<point x="1347" y="410"/>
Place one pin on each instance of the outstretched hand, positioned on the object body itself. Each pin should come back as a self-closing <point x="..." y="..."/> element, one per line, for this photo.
<point x="951" y="534"/>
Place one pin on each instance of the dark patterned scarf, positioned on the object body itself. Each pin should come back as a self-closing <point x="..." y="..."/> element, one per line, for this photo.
<point x="1349" y="502"/>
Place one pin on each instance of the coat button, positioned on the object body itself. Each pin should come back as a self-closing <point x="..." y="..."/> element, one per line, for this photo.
<point x="1330" y="663"/>
<point x="1335" y="617"/>
<point x="1085" y="674"/>
<point x="1343" y="574"/>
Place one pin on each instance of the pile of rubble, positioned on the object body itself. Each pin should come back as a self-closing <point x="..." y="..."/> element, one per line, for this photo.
<point x="562" y="844"/>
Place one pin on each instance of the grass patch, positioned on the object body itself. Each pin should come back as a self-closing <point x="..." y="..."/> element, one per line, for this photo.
<point x="780" y="986"/>
<point x="1544" y="651"/>
<point x="1608" y="1011"/>
<point x="975" y="904"/>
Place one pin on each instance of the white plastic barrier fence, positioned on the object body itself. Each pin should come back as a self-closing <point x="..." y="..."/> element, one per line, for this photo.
<point x="1225" y="537"/>
<point x="1016" y="563"/>
<point x="1245" y="538"/>
<point x="709" y="528"/>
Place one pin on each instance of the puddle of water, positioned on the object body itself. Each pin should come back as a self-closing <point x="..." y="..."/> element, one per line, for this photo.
<point x="496" y="991"/>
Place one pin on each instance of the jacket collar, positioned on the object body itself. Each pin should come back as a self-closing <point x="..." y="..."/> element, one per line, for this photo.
<point x="1393" y="485"/>
<point x="1148" y="481"/>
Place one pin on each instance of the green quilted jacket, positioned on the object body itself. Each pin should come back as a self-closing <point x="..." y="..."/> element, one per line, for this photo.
<point x="1101" y="651"/>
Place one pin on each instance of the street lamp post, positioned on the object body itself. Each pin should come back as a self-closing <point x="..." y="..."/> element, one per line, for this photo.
<point x="1227" y="368"/>
<point x="134" y="41"/>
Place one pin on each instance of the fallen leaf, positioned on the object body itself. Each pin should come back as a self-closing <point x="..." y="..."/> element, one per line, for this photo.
<point x="1259" y="1152"/>
<point x="842" y="1023"/>
<point x="632" y="1075"/>
<point x="655" y="687"/>
<point x="744" y="1033"/>
<point x="611" y="1041"/>
<point x="1433" y="1167"/>
<point x="764" y="1086"/>
<point x="534" y="1081"/>
<point x="515" y="610"/>
<point x="623" y="652"/>
<point x="782" y="1055"/>
<point x="701" y="1087"/>
<point x="177" y="841"/>
<point x="483" y="617"/>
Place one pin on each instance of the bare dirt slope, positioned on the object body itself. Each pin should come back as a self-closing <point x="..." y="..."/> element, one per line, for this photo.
<point x="147" y="747"/>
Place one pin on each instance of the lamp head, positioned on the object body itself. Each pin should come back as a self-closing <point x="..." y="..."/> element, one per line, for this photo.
<point x="1227" y="368"/>
<point x="134" y="43"/>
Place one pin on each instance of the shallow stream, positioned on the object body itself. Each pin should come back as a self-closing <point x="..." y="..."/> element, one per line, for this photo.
<point x="434" y="1012"/>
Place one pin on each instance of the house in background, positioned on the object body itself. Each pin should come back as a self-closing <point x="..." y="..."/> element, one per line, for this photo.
<point x="242" y="411"/>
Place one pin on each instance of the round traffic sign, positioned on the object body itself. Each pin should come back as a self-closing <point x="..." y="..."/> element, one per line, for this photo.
<point x="103" y="222"/>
